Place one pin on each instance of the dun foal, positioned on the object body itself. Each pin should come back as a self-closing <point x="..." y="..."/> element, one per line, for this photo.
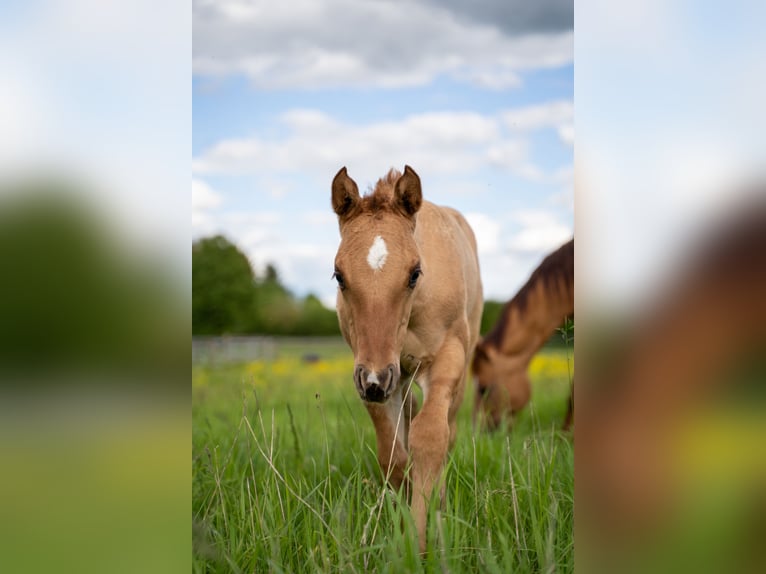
<point x="409" y="306"/>
<point x="527" y="321"/>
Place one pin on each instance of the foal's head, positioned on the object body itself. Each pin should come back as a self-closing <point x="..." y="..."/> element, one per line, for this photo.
<point x="377" y="268"/>
<point x="502" y="385"/>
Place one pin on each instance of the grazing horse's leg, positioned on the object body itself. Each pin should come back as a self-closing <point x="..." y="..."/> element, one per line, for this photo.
<point x="430" y="431"/>
<point x="391" y="420"/>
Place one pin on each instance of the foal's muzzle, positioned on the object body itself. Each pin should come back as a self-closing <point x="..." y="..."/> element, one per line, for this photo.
<point x="376" y="386"/>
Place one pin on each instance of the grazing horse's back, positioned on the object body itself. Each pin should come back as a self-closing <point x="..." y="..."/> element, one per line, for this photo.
<point x="409" y="305"/>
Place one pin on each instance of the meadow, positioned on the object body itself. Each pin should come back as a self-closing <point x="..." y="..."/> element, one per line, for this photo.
<point x="285" y="477"/>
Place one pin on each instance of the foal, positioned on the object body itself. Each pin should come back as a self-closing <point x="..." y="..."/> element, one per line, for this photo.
<point x="527" y="321"/>
<point x="409" y="306"/>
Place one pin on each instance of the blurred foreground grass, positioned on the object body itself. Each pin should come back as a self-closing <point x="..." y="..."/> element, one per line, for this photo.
<point x="95" y="493"/>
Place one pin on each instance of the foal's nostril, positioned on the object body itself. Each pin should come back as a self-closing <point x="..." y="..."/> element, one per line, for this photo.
<point x="359" y="379"/>
<point x="374" y="393"/>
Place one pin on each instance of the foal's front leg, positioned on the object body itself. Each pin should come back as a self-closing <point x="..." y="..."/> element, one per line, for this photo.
<point x="392" y="421"/>
<point x="431" y="429"/>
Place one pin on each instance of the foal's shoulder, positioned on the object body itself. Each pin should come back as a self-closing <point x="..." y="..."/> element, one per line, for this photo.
<point x="442" y="212"/>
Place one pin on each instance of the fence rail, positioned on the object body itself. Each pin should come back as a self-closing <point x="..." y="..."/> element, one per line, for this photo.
<point x="217" y="350"/>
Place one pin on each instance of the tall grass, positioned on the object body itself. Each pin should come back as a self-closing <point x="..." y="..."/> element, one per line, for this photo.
<point x="285" y="479"/>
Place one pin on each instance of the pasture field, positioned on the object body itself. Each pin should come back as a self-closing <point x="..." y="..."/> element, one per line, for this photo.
<point x="285" y="477"/>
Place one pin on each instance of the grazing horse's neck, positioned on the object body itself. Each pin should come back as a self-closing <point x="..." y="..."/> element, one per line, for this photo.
<point x="540" y="306"/>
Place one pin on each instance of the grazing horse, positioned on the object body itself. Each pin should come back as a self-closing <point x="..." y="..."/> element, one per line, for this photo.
<point x="526" y="322"/>
<point x="409" y="306"/>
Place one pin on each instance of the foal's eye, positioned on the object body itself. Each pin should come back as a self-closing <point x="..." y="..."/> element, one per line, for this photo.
<point x="339" y="278"/>
<point x="417" y="272"/>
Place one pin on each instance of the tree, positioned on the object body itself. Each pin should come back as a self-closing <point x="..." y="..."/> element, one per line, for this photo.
<point x="271" y="274"/>
<point x="316" y="319"/>
<point x="228" y="297"/>
<point x="223" y="288"/>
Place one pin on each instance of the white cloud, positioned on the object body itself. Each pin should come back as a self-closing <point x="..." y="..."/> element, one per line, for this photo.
<point x="203" y="196"/>
<point x="334" y="43"/>
<point x="565" y="198"/>
<point x="203" y="199"/>
<point x="508" y="152"/>
<point x="24" y="115"/>
<point x="487" y="231"/>
<point x="507" y="258"/>
<point x="491" y="78"/>
<point x="541" y="232"/>
<point x="567" y="134"/>
<point x="440" y="143"/>
<point x="549" y="114"/>
<point x="320" y="219"/>
<point x="330" y="301"/>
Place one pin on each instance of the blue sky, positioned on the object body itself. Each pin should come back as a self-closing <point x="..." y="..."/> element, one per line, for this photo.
<point x="480" y="104"/>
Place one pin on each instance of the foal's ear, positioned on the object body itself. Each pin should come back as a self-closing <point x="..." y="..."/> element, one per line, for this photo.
<point x="345" y="194"/>
<point x="407" y="193"/>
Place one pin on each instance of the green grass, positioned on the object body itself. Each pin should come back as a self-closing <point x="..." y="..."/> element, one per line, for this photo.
<point x="285" y="478"/>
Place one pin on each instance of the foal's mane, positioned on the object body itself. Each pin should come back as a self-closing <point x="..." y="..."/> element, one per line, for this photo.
<point x="381" y="197"/>
<point x="557" y="268"/>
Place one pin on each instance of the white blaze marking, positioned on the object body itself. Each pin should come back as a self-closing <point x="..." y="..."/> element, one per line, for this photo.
<point x="372" y="378"/>
<point x="378" y="253"/>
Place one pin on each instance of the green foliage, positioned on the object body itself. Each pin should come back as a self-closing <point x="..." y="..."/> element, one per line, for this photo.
<point x="72" y="297"/>
<point x="276" y="310"/>
<point x="222" y="287"/>
<point x="316" y="319"/>
<point x="228" y="297"/>
<point x="490" y="315"/>
<point x="567" y="331"/>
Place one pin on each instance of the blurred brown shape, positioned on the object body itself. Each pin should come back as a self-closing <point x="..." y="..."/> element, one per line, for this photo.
<point x="693" y="358"/>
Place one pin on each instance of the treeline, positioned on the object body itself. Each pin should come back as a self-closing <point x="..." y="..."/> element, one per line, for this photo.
<point x="228" y="297"/>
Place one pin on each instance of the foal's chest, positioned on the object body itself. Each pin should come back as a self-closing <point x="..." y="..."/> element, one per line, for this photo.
<point x="415" y="357"/>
